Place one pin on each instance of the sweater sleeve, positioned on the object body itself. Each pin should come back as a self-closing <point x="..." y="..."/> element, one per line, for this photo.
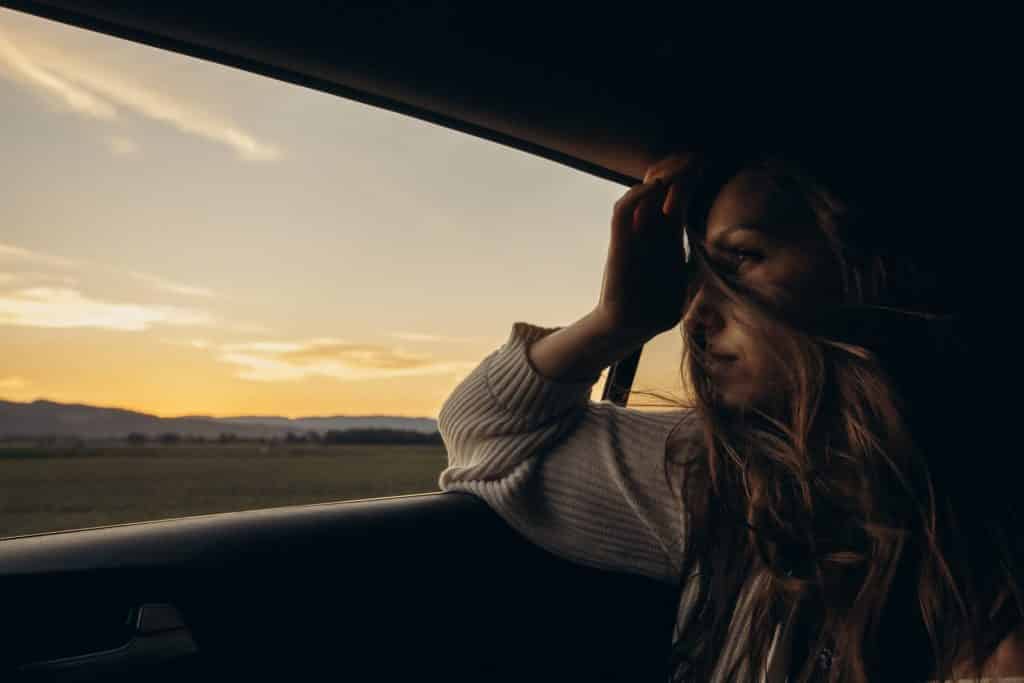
<point x="582" y="479"/>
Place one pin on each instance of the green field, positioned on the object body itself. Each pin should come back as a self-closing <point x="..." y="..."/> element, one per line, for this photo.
<point x="50" y="489"/>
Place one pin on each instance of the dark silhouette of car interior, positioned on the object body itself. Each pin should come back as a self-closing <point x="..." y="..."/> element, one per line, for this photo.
<point x="426" y="587"/>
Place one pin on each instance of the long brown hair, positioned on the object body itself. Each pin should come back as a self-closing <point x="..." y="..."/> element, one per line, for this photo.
<point x="862" y="506"/>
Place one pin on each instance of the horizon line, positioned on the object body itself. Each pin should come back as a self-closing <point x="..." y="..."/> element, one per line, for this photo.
<point x="212" y="417"/>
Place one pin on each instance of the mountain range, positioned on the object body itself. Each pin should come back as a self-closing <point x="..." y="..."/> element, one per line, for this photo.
<point x="41" y="418"/>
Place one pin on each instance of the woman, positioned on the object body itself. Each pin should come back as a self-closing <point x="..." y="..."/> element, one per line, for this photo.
<point x="811" y="499"/>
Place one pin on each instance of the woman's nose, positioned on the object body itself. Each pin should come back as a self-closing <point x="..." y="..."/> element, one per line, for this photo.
<point x="701" y="318"/>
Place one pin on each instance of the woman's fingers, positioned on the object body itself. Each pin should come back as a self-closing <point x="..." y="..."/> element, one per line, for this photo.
<point x="664" y="191"/>
<point x="625" y="212"/>
<point x="649" y="207"/>
<point x="678" y="171"/>
<point x="676" y="198"/>
<point x="671" y="203"/>
<point x="670" y="165"/>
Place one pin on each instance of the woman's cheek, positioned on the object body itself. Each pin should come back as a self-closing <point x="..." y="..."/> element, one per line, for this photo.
<point x="756" y="378"/>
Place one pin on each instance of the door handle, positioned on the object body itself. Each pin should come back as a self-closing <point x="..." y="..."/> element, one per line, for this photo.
<point x="159" y="635"/>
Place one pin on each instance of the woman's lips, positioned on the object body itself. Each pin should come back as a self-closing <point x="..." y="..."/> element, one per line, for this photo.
<point x="720" y="363"/>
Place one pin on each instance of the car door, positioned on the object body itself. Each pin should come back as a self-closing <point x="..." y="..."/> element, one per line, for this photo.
<point x="380" y="587"/>
<point x="432" y="585"/>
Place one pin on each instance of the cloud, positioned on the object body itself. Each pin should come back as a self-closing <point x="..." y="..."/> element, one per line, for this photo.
<point x="12" y="383"/>
<point x="26" y="278"/>
<point x="122" y="147"/>
<point x="9" y="252"/>
<point x="75" y="98"/>
<point x="191" y="343"/>
<point x="171" y="286"/>
<point x="417" y="337"/>
<point x="12" y="253"/>
<point x="64" y="308"/>
<point x="271" y="361"/>
<point x="90" y="91"/>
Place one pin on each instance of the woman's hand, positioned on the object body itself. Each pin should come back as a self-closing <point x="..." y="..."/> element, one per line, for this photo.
<point x="645" y="276"/>
<point x="680" y="171"/>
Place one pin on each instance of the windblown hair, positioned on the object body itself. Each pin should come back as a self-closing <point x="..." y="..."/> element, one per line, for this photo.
<point x="861" y="505"/>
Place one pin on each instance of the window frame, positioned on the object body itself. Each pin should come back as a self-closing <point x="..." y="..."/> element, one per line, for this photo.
<point x="620" y="379"/>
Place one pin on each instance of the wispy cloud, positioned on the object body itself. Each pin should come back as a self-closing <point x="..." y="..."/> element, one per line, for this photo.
<point x="64" y="308"/>
<point x="92" y="91"/>
<point x="37" y="298"/>
<point x="271" y="361"/>
<point x="122" y="146"/>
<point x="417" y="337"/>
<point x="170" y="285"/>
<point x="9" y="252"/>
<point x="30" y="72"/>
<point x="191" y="343"/>
<point x="24" y="279"/>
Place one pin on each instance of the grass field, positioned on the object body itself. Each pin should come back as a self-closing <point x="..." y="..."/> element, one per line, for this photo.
<point x="53" y="489"/>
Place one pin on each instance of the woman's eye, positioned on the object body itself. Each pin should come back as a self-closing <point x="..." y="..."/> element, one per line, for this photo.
<point x="737" y="257"/>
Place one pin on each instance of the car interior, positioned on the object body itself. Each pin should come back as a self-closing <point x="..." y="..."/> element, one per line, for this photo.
<point x="364" y="590"/>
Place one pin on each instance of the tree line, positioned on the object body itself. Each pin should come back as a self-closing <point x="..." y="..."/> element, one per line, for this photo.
<point x="331" y="436"/>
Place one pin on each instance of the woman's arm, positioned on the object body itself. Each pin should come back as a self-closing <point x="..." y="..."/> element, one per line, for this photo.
<point x="585" y="480"/>
<point x="582" y="350"/>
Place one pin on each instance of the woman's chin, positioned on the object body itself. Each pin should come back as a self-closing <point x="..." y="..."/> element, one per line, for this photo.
<point x="738" y="398"/>
<point x="728" y="400"/>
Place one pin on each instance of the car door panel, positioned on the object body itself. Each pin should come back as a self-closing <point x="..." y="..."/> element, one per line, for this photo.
<point x="424" y="585"/>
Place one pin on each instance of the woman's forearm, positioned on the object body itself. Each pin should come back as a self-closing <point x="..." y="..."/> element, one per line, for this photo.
<point x="583" y="349"/>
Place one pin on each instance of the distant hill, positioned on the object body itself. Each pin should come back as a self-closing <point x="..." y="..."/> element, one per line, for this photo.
<point x="41" y="418"/>
<point x="322" y="424"/>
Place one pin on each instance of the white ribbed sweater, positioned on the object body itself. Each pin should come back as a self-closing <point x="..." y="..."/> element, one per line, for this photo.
<point x="582" y="479"/>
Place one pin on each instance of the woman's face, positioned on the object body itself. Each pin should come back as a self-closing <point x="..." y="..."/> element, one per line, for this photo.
<point x="770" y="243"/>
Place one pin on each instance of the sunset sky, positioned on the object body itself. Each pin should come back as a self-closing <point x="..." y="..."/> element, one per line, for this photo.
<point x="183" y="238"/>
